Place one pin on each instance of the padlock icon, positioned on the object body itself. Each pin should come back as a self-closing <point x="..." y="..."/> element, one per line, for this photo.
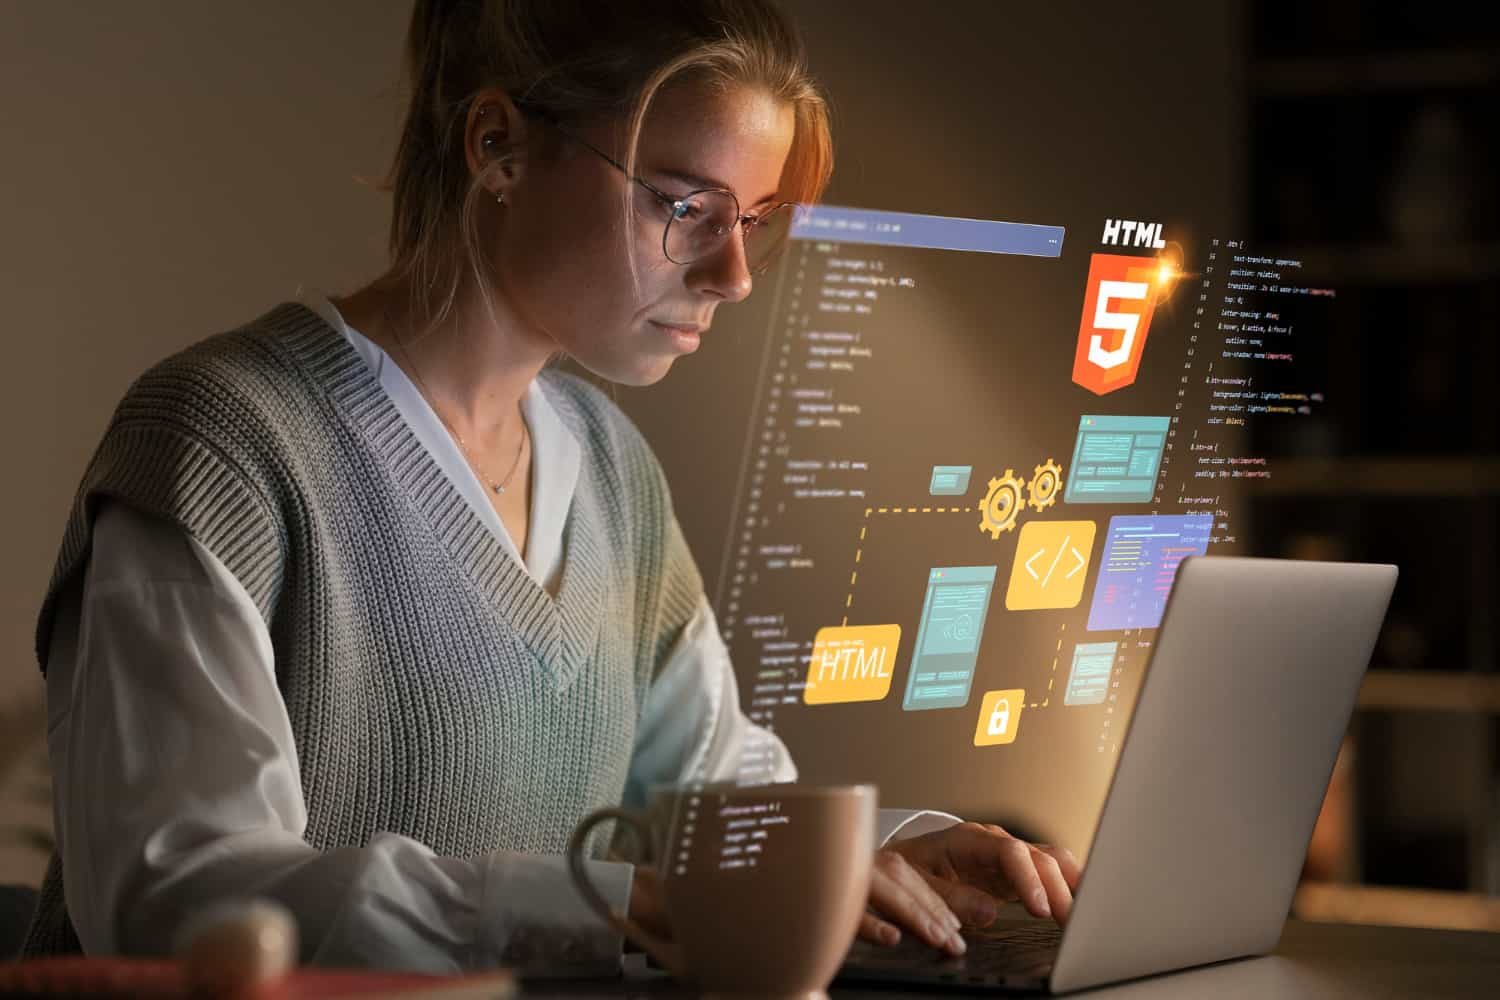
<point x="999" y="717"/>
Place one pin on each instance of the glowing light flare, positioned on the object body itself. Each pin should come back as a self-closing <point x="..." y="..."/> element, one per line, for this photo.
<point x="1169" y="273"/>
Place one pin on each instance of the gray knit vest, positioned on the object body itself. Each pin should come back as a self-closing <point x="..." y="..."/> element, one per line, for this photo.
<point x="435" y="689"/>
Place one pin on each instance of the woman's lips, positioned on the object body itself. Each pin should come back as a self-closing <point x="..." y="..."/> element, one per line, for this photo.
<point x="685" y="338"/>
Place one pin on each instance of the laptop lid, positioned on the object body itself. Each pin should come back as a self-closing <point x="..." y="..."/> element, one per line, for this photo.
<point x="1224" y="765"/>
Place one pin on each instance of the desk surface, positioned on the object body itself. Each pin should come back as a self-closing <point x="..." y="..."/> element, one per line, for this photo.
<point x="1312" y="960"/>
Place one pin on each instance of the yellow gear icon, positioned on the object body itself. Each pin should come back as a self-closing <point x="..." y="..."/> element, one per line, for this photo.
<point x="1001" y="504"/>
<point x="1046" y="481"/>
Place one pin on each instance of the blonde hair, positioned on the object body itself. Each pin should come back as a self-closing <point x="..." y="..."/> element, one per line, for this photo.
<point x="578" y="59"/>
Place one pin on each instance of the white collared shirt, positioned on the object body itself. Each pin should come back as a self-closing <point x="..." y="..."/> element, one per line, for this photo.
<point x="158" y="633"/>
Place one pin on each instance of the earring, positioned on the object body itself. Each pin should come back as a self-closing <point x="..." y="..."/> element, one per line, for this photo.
<point x="500" y="198"/>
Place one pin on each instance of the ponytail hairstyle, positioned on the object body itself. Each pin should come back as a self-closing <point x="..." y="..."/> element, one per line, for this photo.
<point x="578" y="59"/>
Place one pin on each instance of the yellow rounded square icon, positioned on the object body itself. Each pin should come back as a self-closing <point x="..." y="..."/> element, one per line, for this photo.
<point x="1052" y="562"/>
<point x="851" y="663"/>
<point x="999" y="716"/>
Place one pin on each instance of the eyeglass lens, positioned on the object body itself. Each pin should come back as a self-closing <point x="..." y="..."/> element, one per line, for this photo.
<point x="707" y="218"/>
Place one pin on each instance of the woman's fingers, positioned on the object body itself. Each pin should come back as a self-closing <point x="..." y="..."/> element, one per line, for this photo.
<point x="1072" y="871"/>
<point x="973" y="905"/>
<point x="872" y="928"/>
<point x="1010" y="869"/>
<point x="1011" y="872"/>
<point x="1059" y="895"/>
<point x="902" y="896"/>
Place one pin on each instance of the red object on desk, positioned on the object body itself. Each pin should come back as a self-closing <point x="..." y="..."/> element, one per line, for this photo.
<point x="130" y="977"/>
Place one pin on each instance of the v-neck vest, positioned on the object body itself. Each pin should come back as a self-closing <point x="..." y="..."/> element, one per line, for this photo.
<point x="434" y="688"/>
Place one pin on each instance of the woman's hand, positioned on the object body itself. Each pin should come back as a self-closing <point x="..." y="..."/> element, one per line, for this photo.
<point x="937" y="883"/>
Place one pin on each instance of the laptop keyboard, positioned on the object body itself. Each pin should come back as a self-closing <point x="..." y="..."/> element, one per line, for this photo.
<point x="1016" y="951"/>
<point x="1012" y="948"/>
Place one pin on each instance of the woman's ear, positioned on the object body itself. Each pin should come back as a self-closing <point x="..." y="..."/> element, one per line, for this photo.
<point x="494" y="139"/>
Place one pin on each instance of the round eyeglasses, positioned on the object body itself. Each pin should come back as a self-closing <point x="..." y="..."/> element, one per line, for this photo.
<point x="698" y="223"/>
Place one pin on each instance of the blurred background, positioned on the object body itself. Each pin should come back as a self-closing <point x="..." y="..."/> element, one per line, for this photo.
<point x="1373" y="140"/>
<point x="173" y="169"/>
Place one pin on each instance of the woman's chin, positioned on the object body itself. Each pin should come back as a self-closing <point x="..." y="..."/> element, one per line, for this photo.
<point x="636" y="371"/>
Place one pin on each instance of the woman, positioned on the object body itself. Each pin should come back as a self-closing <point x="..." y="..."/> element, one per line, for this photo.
<point x="361" y="606"/>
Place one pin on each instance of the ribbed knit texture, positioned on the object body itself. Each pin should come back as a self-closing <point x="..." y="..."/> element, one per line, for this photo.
<point x="435" y="689"/>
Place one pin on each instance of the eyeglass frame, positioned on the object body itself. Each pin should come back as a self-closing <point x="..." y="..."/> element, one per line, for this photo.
<point x="744" y="223"/>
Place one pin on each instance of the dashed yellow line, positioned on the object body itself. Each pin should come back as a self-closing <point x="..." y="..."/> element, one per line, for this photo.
<point x="1053" y="678"/>
<point x="919" y="510"/>
<point x="864" y="528"/>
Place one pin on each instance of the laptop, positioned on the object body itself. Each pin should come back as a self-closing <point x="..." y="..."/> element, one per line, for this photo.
<point x="1220" y="778"/>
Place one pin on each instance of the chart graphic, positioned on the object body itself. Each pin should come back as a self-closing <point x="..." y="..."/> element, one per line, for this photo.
<point x="1115" y="459"/>
<point x="947" y="647"/>
<point x="1052" y="562"/>
<point x="1139" y="564"/>
<point x="1089" y="681"/>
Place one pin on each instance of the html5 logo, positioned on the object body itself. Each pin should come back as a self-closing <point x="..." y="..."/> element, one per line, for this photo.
<point x="1117" y="307"/>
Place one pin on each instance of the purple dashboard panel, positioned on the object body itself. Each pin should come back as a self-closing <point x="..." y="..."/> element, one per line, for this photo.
<point x="1140" y="561"/>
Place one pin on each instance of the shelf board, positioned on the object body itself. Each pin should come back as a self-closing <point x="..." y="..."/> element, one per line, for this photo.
<point x="1396" y="906"/>
<point x="1429" y="691"/>
<point x="1443" y="68"/>
<point x="1462" y="476"/>
<point x="1387" y="263"/>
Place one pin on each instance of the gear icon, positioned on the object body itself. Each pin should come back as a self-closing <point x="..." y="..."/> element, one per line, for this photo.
<point x="1046" y="480"/>
<point x="1001" y="504"/>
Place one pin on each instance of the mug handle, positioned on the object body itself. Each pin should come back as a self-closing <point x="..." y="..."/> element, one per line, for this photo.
<point x="666" y="954"/>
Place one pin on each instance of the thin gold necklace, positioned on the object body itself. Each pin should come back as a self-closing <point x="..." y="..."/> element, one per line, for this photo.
<point x="515" y="464"/>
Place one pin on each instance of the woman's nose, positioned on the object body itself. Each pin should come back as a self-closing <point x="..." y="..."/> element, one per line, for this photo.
<point x="725" y="272"/>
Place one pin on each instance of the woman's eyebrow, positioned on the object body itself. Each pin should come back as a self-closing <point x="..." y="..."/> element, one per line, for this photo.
<point x="699" y="181"/>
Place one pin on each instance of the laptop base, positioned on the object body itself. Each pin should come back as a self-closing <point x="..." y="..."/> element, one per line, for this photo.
<point x="1009" y="955"/>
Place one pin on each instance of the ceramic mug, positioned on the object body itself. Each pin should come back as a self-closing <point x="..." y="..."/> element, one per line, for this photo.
<point x="764" y="885"/>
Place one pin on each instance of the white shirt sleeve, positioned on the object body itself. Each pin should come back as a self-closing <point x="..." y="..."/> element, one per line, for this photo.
<point x="693" y="730"/>
<point x="177" y="783"/>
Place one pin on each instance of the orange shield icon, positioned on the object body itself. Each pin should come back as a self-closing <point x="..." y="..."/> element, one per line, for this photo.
<point x="1117" y="308"/>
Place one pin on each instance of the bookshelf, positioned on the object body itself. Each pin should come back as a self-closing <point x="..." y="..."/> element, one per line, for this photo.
<point x="1371" y="142"/>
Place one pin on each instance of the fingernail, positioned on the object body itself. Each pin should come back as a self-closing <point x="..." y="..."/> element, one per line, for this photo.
<point x="957" y="945"/>
<point x="937" y="932"/>
<point x="954" y="924"/>
<point x="985" y="914"/>
<point x="890" y="935"/>
<point x="1042" y="904"/>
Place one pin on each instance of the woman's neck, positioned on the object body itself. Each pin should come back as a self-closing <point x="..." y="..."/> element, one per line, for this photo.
<point x="472" y="374"/>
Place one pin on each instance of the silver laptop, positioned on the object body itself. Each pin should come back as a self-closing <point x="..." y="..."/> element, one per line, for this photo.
<point x="1220" y="779"/>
